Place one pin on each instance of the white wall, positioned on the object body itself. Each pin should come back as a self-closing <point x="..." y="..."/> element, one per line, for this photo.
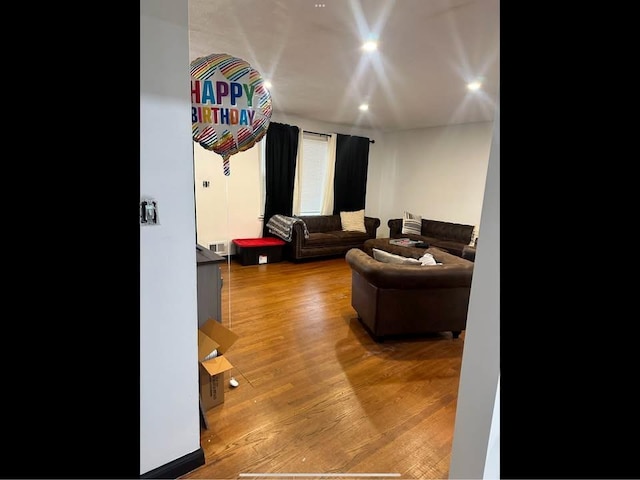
<point x="492" y="462"/>
<point x="471" y="454"/>
<point x="169" y="420"/>
<point x="438" y="173"/>
<point x="231" y="206"/>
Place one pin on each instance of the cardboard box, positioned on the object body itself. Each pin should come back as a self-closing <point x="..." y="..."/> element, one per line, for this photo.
<point x="213" y="336"/>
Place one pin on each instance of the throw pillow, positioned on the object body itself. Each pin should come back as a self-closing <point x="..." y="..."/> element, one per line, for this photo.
<point x="387" y="257"/>
<point x="474" y="236"/>
<point x="411" y="223"/>
<point x="353" y="221"/>
<point x="427" y="259"/>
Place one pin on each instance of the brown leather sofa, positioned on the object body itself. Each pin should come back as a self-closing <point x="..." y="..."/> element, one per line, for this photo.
<point x="393" y="299"/>
<point x="326" y="237"/>
<point x="448" y="236"/>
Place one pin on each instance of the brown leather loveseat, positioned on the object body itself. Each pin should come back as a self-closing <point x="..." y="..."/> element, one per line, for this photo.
<point x="393" y="299"/>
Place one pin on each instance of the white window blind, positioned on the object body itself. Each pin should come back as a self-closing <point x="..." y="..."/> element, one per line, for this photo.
<point x="263" y="176"/>
<point x="312" y="173"/>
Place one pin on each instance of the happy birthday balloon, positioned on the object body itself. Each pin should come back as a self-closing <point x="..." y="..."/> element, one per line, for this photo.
<point x="230" y="106"/>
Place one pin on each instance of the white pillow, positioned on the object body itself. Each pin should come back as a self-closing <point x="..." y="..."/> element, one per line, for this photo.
<point x="387" y="257"/>
<point x="353" y="221"/>
<point x="427" y="259"/>
<point x="411" y="223"/>
<point x="474" y="235"/>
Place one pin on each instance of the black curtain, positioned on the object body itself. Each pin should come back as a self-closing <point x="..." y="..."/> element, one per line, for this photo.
<point x="280" y="167"/>
<point x="350" y="181"/>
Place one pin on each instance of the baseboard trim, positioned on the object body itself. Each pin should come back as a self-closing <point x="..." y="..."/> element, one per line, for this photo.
<point x="178" y="467"/>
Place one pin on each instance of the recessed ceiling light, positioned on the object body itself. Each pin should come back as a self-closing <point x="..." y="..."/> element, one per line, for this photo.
<point x="474" y="86"/>
<point x="370" y="46"/>
<point x="364" y="107"/>
<point x="267" y="84"/>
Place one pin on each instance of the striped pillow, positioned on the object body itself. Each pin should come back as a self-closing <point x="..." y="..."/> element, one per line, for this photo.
<point x="411" y="223"/>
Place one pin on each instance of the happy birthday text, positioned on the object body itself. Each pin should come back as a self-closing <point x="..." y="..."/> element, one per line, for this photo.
<point x="217" y="93"/>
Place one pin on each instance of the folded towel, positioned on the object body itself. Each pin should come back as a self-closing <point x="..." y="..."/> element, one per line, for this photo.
<point x="282" y="226"/>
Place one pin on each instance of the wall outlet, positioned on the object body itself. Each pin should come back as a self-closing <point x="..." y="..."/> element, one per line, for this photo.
<point x="149" y="212"/>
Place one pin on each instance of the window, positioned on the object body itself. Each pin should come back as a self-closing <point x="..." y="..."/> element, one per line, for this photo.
<point x="312" y="174"/>
<point x="313" y="171"/>
<point x="263" y="177"/>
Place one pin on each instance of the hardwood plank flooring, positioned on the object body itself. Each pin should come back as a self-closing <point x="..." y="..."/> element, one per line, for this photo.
<point x="317" y="395"/>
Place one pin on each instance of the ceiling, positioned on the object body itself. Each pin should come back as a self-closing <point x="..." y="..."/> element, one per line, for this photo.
<point x="428" y="51"/>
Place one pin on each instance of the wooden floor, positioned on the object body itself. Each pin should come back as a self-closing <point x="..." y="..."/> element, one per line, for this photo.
<point x="317" y="395"/>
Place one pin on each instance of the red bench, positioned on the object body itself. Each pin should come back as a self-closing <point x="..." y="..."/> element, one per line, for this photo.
<point x="257" y="251"/>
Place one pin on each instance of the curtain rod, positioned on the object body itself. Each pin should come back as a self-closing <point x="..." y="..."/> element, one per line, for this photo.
<point x="328" y="135"/>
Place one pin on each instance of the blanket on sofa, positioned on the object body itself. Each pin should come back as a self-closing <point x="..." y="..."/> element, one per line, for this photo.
<point x="282" y="226"/>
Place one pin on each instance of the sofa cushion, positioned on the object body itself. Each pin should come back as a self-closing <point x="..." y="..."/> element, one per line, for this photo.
<point x="411" y="224"/>
<point x="387" y="257"/>
<point x="328" y="239"/>
<point x="318" y="239"/>
<point x="452" y="232"/>
<point x="350" y="236"/>
<point x="353" y="221"/>
<point x="452" y="247"/>
<point x="321" y="223"/>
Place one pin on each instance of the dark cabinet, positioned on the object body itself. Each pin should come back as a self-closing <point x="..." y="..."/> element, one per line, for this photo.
<point x="209" y="285"/>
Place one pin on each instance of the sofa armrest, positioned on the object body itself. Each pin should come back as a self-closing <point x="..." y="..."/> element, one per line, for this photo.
<point x="371" y="224"/>
<point x="395" y="227"/>
<point x="297" y="240"/>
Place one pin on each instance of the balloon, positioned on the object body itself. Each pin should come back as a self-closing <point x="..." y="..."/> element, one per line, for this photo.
<point x="230" y="105"/>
